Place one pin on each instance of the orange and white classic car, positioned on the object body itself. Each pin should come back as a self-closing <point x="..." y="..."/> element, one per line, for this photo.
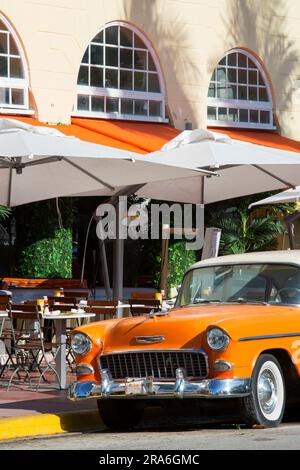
<point x="234" y="334"/>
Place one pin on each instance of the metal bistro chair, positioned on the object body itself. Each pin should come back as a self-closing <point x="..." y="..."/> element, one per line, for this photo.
<point x="143" y="306"/>
<point x="29" y="345"/>
<point x="5" y="333"/>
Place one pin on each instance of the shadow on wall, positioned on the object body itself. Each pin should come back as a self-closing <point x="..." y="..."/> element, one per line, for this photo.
<point x="168" y="40"/>
<point x="261" y="26"/>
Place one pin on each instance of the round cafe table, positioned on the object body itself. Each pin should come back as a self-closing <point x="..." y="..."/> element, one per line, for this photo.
<point x="60" y="321"/>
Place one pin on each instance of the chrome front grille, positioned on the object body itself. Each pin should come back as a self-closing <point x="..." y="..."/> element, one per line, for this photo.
<point x="157" y="364"/>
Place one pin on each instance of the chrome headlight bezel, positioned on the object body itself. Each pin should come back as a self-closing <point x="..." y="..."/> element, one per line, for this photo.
<point x="217" y="339"/>
<point x="81" y="344"/>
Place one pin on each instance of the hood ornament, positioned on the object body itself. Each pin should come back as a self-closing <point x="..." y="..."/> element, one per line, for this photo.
<point x="158" y="313"/>
<point x="149" y="339"/>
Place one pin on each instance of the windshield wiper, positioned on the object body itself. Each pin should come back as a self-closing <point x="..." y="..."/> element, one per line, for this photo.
<point x="241" y="300"/>
<point x="206" y="301"/>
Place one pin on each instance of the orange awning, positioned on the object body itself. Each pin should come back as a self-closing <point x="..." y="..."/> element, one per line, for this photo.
<point x="139" y="137"/>
<point x="267" y="139"/>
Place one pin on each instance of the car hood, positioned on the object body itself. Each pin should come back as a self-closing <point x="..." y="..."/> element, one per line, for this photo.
<point x="185" y="327"/>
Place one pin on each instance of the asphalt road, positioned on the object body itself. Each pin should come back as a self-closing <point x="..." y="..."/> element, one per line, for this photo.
<point x="176" y="437"/>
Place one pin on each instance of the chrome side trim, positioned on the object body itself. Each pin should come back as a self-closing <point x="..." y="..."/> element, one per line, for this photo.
<point x="148" y="389"/>
<point x="258" y="338"/>
<point x="129" y="351"/>
<point x="149" y="339"/>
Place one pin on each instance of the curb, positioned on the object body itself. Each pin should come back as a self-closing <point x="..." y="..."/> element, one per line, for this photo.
<point x="48" y="424"/>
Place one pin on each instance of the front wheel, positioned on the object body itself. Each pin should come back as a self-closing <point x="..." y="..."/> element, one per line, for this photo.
<point x="120" y="415"/>
<point x="266" y="404"/>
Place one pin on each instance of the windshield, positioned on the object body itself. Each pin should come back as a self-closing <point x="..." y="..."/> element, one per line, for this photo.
<point x="244" y="283"/>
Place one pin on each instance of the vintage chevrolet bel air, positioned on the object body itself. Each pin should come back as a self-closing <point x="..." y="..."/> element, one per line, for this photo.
<point x="234" y="333"/>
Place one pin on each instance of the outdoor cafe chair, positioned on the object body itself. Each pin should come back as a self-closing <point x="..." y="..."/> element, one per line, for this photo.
<point x="143" y="306"/>
<point x="104" y="309"/>
<point x="29" y="344"/>
<point x="84" y="295"/>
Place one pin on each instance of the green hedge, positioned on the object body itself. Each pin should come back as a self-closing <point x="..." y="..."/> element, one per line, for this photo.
<point x="48" y="258"/>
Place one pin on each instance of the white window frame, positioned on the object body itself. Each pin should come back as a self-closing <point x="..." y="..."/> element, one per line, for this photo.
<point x="126" y="94"/>
<point x="243" y="104"/>
<point x="20" y="83"/>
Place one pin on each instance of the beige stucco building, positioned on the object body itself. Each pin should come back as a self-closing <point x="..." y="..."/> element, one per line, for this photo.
<point x="155" y="61"/>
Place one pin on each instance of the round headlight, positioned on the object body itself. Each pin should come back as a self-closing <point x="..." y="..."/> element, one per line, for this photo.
<point x="217" y="339"/>
<point x="81" y="344"/>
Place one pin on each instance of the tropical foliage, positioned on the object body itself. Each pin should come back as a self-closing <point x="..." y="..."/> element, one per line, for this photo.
<point x="245" y="230"/>
<point x="4" y="212"/>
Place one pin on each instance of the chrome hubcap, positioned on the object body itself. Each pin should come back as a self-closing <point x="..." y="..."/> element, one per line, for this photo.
<point x="267" y="391"/>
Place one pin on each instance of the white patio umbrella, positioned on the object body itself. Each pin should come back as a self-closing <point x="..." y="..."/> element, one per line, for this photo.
<point x="289" y="196"/>
<point x="244" y="169"/>
<point x="38" y="163"/>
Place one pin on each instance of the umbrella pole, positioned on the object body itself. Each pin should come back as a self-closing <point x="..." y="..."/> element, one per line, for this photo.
<point x="118" y="254"/>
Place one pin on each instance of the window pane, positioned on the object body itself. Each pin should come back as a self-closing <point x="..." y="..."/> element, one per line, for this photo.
<point x="83" y="102"/>
<point x="85" y="59"/>
<point x="140" y="107"/>
<point x="140" y="81"/>
<point x="111" y="78"/>
<point x="126" y="37"/>
<point x="227" y="93"/>
<point x="223" y="61"/>
<point x="126" y="80"/>
<point x="243" y="115"/>
<point x="111" y="56"/>
<point x="4" y="95"/>
<point x="17" y="96"/>
<point x="232" y="59"/>
<point x="222" y="112"/>
<point x="154" y="108"/>
<point x="140" y="60"/>
<point x="127" y="106"/>
<point x="98" y="38"/>
<point x="263" y="96"/>
<point x="153" y="83"/>
<point x="212" y="91"/>
<point x="252" y="93"/>
<point x="253" y="115"/>
<point x="221" y="74"/>
<point x="242" y="93"/>
<point x="83" y="76"/>
<point x="97" y="55"/>
<point x="13" y="46"/>
<point x="232" y="75"/>
<point x="151" y="65"/>
<point x="242" y="76"/>
<point x="126" y="58"/>
<point x="111" y="35"/>
<point x="212" y="113"/>
<point x="3" y="43"/>
<point x="261" y="80"/>
<point x="242" y="60"/>
<point x="97" y="104"/>
<point x="252" y="77"/>
<point x="96" y="77"/>
<point x="112" y="105"/>
<point x="138" y="42"/>
<point x="16" y="69"/>
<point x="251" y="64"/>
<point x="265" y="117"/>
<point x="2" y="26"/>
<point x="3" y="66"/>
<point x="233" y="115"/>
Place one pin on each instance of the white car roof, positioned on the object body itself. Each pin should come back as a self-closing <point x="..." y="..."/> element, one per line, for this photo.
<point x="288" y="257"/>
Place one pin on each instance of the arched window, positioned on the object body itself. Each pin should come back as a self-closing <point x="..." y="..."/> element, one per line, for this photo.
<point x="120" y="76"/>
<point x="13" y="70"/>
<point x="239" y="94"/>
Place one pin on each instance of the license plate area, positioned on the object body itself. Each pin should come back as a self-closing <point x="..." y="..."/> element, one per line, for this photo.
<point x="135" y="387"/>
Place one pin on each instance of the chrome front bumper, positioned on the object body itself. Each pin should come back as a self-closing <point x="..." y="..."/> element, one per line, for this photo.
<point x="150" y="389"/>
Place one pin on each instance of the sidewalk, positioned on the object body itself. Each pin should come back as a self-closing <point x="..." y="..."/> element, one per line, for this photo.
<point x="26" y="413"/>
